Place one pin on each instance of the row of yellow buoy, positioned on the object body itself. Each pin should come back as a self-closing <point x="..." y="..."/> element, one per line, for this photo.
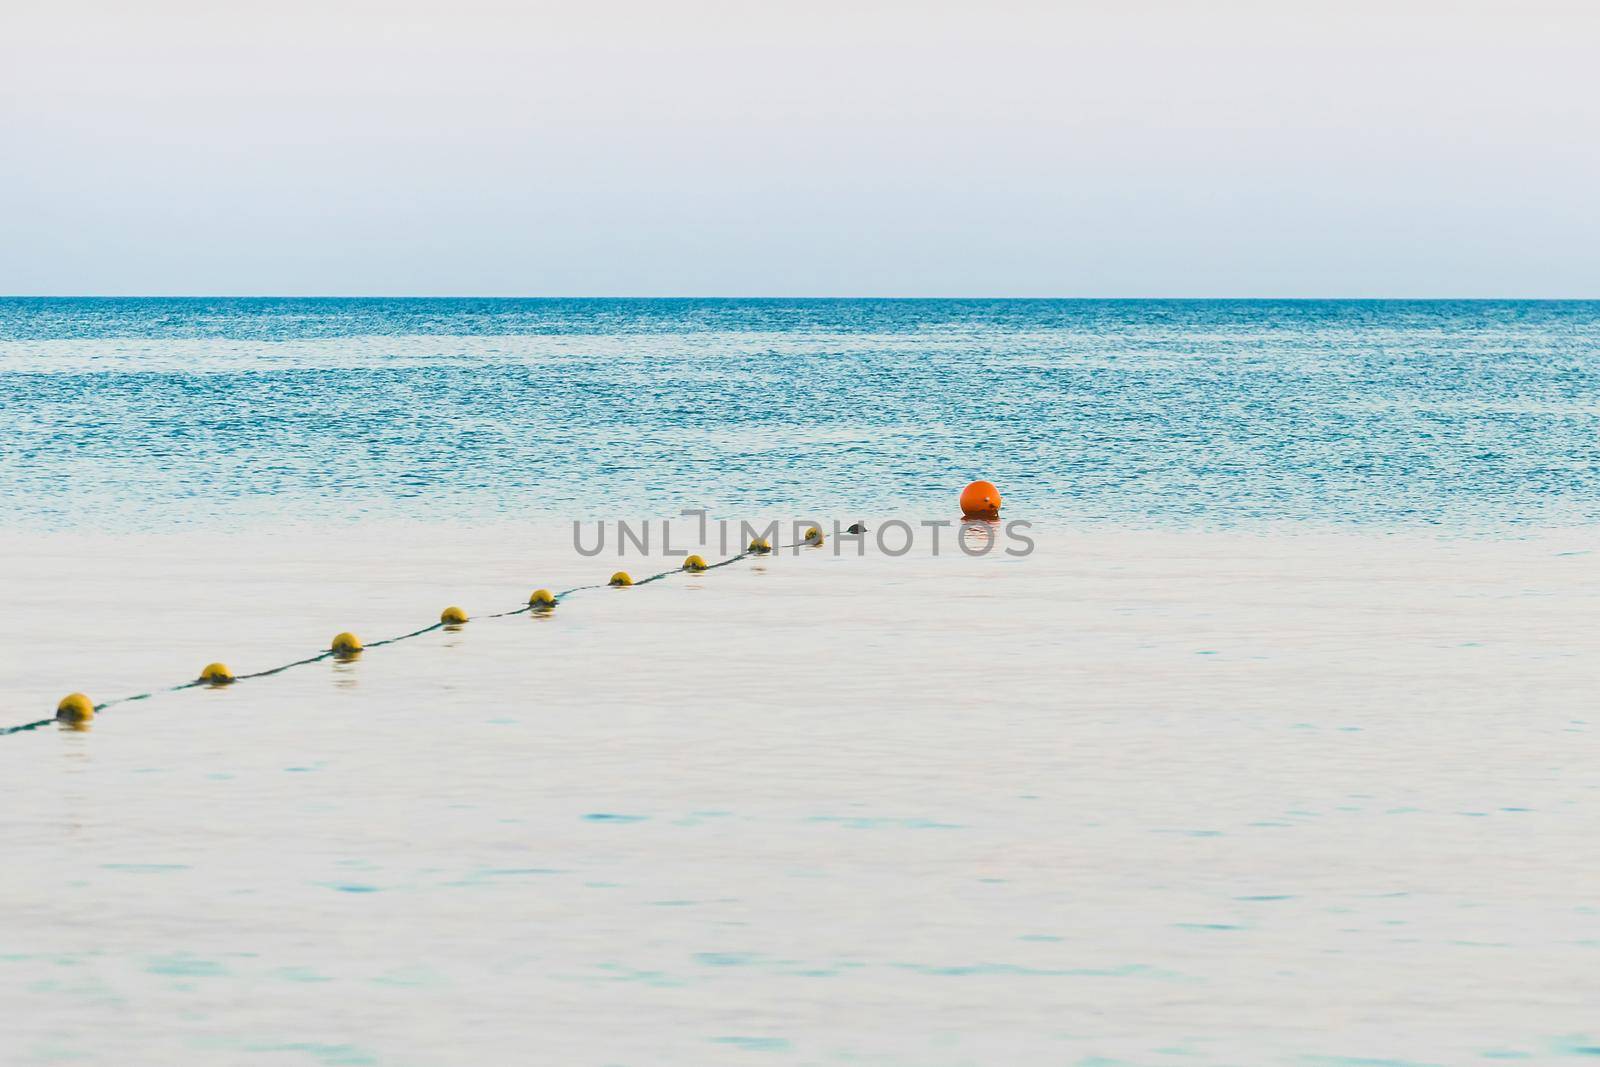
<point x="78" y="708"/>
<point x="979" y="500"/>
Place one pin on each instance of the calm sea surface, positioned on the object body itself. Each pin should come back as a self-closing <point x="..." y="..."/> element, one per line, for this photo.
<point x="1253" y="761"/>
<point x="146" y="413"/>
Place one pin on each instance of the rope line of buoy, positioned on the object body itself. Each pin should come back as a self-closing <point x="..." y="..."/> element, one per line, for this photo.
<point x="77" y="710"/>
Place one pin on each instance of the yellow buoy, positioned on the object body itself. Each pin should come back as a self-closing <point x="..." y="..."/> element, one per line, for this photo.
<point x="452" y="616"/>
<point x="75" y="708"/>
<point x="695" y="563"/>
<point x="541" y="600"/>
<point x="760" y="546"/>
<point x="216" y="674"/>
<point x="621" y="578"/>
<point x="346" y="645"/>
<point x="813" y="536"/>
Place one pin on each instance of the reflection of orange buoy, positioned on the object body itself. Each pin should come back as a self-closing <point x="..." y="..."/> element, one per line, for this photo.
<point x="980" y="500"/>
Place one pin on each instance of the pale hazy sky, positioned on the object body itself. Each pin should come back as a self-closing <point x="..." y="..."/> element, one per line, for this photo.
<point x="1082" y="148"/>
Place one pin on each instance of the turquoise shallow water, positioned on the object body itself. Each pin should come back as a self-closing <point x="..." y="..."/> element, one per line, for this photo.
<point x="145" y="412"/>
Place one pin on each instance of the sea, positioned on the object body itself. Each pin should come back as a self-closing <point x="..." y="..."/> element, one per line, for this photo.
<point x="149" y="413"/>
<point x="1277" y="746"/>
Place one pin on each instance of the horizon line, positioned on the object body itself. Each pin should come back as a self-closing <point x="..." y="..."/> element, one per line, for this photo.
<point x="886" y="299"/>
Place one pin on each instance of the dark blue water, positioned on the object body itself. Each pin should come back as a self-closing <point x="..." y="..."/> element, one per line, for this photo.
<point x="146" y="413"/>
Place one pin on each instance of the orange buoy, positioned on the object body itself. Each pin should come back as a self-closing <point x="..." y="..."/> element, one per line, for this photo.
<point x="980" y="500"/>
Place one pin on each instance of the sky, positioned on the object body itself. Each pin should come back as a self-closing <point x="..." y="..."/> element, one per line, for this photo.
<point x="1301" y="148"/>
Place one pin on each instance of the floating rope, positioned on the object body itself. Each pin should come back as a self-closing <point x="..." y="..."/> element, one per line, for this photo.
<point x="76" y="709"/>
